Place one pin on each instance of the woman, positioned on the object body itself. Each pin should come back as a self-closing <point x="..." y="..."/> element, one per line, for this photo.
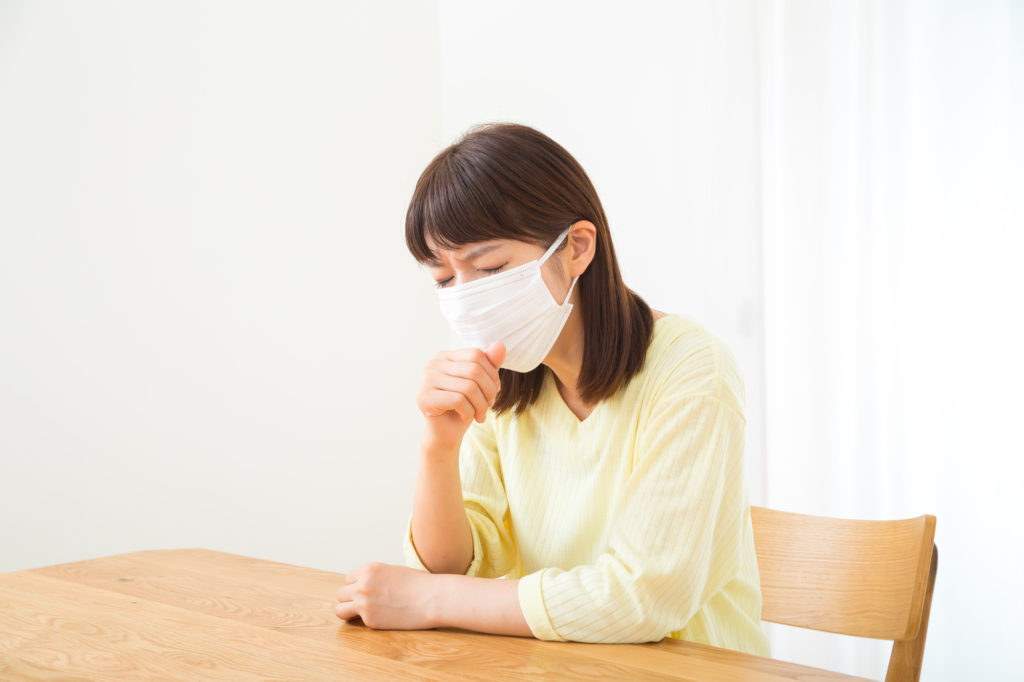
<point x="582" y="447"/>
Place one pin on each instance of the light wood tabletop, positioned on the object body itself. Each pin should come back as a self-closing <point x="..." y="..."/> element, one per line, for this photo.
<point x="195" y="614"/>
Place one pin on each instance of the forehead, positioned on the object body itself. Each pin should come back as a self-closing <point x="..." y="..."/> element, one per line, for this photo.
<point x="468" y="252"/>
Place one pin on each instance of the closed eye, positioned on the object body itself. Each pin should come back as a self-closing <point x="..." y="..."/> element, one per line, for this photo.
<point x="491" y="271"/>
<point x="441" y="284"/>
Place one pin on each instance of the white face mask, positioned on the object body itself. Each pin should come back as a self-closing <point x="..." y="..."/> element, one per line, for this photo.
<point x="514" y="307"/>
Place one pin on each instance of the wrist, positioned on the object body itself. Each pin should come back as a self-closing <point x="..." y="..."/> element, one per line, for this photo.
<point x="434" y="449"/>
<point x="438" y="599"/>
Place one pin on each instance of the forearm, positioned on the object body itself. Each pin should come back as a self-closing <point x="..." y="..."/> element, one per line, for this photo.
<point x="479" y="604"/>
<point x="440" y="528"/>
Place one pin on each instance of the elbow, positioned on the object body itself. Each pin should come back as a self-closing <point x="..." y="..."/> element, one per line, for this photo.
<point x="613" y="603"/>
<point x="640" y="631"/>
<point x="447" y="566"/>
<point x="637" y="621"/>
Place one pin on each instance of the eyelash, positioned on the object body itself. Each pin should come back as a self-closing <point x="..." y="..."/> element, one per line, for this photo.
<point x="489" y="271"/>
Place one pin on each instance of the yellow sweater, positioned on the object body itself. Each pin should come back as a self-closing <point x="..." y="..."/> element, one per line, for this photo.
<point x="633" y="524"/>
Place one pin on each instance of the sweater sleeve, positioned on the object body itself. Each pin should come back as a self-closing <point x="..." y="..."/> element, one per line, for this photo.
<point x="676" y="535"/>
<point x="486" y="505"/>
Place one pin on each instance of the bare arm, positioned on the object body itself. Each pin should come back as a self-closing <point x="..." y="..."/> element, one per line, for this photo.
<point x="480" y="604"/>
<point x="440" y="529"/>
<point x="399" y="598"/>
<point x="458" y="387"/>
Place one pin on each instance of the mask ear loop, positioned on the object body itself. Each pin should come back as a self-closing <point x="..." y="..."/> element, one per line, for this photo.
<point x="554" y="246"/>
<point x="565" y="301"/>
<point x="551" y="250"/>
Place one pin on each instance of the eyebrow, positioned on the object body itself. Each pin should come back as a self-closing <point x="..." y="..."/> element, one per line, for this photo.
<point x="480" y="250"/>
<point x="472" y="254"/>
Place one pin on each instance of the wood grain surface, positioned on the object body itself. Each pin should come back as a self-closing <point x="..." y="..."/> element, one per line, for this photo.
<point x="196" y="614"/>
<point x="855" y="577"/>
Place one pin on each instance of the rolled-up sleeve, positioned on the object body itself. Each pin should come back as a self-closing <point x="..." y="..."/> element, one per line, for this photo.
<point x="675" y="539"/>
<point x="486" y="505"/>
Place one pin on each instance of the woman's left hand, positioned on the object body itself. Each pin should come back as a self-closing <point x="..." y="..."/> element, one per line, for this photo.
<point x="389" y="597"/>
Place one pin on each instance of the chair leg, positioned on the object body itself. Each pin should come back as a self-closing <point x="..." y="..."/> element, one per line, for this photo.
<point x="906" y="657"/>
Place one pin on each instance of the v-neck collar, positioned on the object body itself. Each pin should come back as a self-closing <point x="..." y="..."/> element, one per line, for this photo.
<point x="560" y="407"/>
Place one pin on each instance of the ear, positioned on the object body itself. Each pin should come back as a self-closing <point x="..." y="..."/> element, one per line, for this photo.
<point x="582" y="247"/>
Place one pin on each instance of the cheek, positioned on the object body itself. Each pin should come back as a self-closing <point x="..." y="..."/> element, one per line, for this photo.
<point x="556" y="281"/>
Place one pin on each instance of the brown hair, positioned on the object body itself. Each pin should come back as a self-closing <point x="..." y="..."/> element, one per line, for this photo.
<point x="509" y="181"/>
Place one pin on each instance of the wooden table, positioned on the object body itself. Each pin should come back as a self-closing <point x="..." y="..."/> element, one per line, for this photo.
<point x="194" y="614"/>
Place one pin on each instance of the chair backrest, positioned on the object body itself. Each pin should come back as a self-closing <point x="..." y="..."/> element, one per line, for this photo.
<point x="852" y="577"/>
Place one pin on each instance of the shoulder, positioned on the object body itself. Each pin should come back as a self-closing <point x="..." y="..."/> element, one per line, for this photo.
<point x="686" y="359"/>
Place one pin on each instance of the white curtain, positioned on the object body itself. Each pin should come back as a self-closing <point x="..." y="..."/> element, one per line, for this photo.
<point x="892" y="217"/>
<point x="867" y="157"/>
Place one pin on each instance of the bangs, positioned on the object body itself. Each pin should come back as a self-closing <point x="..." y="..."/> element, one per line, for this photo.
<point x="457" y="203"/>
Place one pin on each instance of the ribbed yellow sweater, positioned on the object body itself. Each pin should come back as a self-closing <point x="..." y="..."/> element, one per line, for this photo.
<point x="633" y="524"/>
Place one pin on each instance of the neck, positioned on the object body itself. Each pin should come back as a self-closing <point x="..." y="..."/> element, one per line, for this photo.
<point x="566" y="359"/>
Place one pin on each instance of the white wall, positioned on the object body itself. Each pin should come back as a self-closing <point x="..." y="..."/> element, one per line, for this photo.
<point x="210" y="330"/>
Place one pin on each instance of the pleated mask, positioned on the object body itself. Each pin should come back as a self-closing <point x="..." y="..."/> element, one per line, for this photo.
<point x="514" y="307"/>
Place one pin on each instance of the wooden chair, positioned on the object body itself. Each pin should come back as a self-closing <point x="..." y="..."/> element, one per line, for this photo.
<point x="861" y="578"/>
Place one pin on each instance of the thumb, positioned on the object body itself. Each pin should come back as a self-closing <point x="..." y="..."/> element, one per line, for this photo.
<point x="496" y="353"/>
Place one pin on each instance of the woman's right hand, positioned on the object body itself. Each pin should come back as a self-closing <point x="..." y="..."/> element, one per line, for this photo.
<point x="458" y="386"/>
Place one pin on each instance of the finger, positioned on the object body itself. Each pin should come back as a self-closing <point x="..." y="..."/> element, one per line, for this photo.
<point x="472" y="355"/>
<point x="354" y="575"/>
<point x="484" y="378"/>
<point x="346" y="611"/>
<point x="438" y="401"/>
<point x="346" y="592"/>
<point x="496" y="353"/>
<point x="467" y="387"/>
